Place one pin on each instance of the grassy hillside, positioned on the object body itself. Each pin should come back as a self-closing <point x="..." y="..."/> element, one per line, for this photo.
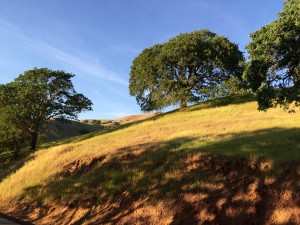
<point x="57" y="130"/>
<point x="215" y="161"/>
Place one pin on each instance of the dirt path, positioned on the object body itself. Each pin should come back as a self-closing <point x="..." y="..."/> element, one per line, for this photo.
<point x="7" y="220"/>
<point x="4" y="221"/>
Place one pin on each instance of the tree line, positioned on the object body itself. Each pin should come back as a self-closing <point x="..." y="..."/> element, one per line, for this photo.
<point x="188" y="68"/>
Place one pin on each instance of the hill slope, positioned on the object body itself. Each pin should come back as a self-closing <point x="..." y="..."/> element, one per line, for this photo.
<point x="205" y="165"/>
<point x="57" y="130"/>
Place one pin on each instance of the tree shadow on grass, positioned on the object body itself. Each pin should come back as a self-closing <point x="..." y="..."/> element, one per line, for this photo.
<point x="276" y="144"/>
<point x="9" y="166"/>
<point x="217" y="183"/>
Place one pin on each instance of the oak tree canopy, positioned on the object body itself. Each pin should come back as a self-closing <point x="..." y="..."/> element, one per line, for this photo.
<point x="188" y="68"/>
<point x="33" y="99"/>
<point x="274" y="70"/>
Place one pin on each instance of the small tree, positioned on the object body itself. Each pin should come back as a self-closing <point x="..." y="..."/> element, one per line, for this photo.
<point x="187" y="68"/>
<point x="40" y="95"/>
<point x="274" y="70"/>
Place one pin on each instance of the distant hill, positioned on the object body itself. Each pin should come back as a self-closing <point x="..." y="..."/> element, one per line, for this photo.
<point x="57" y="130"/>
<point x="120" y="121"/>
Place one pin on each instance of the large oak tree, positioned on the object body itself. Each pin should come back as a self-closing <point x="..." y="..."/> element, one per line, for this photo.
<point x="274" y="70"/>
<point x="36" y="97"/>
<point x="187" y="68"/>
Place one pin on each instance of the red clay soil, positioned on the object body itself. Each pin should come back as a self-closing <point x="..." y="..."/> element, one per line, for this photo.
<point x="243" y="194"/>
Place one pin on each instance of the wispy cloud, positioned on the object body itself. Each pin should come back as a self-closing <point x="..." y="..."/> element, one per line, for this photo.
<point x="126" y="49"/>
<point x="103" y="100"/>
<point x="87" y="64"/>
<point x="124" y="94"/>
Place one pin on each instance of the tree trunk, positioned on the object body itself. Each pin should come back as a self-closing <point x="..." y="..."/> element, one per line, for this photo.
<point x="34" y="137"/>
<point x="15" y="153"/>
<point x="183" y="104"/>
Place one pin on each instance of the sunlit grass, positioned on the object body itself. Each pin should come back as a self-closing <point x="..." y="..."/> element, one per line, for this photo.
<point x="148" y="158"/>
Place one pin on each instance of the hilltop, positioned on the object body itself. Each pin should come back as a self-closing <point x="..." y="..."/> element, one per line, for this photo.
<point x="217" y="162"/>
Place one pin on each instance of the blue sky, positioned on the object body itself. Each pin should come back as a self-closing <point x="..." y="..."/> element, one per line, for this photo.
<point x="97" y="39"/>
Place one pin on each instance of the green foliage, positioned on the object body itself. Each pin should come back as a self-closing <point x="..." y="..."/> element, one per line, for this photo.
<point x="84" y="131"/>
<point x="13" y="136"/>
<point x="34" y="98"/>
<point x="188" y="68"/>
<point x="231" y="87"/>
<point x="274" y="71"/>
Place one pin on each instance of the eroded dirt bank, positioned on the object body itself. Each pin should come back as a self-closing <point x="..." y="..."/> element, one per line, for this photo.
<point x="235" y="191"/>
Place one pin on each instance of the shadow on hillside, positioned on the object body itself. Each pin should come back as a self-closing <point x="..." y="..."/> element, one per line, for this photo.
<point x="218" y="183"/>
<point x="57" y="130"/>
<point x="276" y="144"/>
<point x="9" y="166"/>
<point x="83" y="137"/>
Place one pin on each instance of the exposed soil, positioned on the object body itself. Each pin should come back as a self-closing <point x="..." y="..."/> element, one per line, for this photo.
<point x="241" y="192"/>
<point x="81" y="166"/>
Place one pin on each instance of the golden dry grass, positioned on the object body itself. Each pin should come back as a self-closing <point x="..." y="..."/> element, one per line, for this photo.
<point x="236" y="129"/>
